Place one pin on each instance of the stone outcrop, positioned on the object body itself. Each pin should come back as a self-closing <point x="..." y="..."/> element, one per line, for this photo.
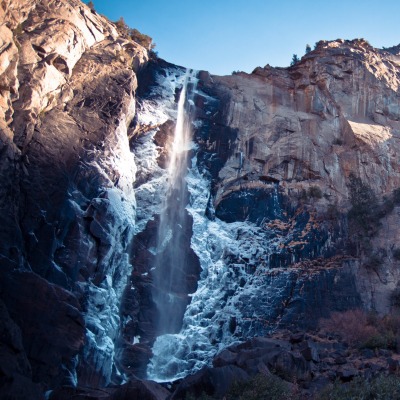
<point x="68" y="82"/>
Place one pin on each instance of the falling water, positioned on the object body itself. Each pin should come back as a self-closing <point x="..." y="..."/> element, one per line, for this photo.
<point x="171" y="260"/>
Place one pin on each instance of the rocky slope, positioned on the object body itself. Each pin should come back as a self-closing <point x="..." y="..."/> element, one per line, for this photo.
<point x="293" y="188"/>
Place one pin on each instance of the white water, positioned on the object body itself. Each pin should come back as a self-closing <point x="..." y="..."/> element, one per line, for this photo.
<point x="171" y="256"/>
<point x="226" y="290"/>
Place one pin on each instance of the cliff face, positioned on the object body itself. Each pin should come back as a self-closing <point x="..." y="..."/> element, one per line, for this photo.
<point x="322" y="131"/>
<point x="68" y="86"/>
<point x="294" y="208"/>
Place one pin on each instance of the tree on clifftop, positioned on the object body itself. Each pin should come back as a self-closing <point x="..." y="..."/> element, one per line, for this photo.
<point x="133" y="34"/>
<point x="295" y="60"/>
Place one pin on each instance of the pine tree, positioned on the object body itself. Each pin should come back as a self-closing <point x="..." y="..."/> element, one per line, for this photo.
<point x="308" y="48"/>
<point x="295" y="60"/>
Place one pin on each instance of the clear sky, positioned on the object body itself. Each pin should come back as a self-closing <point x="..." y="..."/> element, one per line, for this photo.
<point x="226" y="35"/>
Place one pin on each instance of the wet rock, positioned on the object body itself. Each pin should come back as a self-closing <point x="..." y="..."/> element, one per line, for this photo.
<point x="368" y="353"/>
<point x="15" y="369"/>
<point x="309" y="351"/>
<point x="140" y="390"/>
<point x="347" y="374"/>
<point x="135" y="389"/>
<point x="339" y="360"/>
<point x="297" y="337"/>
<point x="212" y="381"/>
<point x="290" y="367"/>
<point x="69" y="392"/>
<point x="65" y="146"/>
<point x="132" y="359"/>
<point x="51" y="324"/>
<point x="226" y="357"/>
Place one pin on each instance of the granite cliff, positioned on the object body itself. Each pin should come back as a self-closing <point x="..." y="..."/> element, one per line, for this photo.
<point x="293" y="196"/>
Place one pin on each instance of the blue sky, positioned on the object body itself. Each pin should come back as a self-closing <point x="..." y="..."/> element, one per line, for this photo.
<point x="226" y="35"/>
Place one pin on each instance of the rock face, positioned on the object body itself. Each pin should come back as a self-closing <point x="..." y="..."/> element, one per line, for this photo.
<point x="307" y="130"/>
<point x="68" y="82"/>
<point x="293" y="202"/>
<point x="293" y="180"/>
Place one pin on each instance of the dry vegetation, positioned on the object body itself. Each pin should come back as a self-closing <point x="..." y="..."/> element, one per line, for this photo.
<point x="362" y="330"/>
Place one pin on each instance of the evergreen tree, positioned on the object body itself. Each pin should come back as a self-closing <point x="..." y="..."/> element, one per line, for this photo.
<point x="308" y="48"/>
<point x="295" y="60"/>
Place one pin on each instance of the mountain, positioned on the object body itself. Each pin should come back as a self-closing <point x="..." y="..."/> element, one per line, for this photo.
<point x="292" y="192"/>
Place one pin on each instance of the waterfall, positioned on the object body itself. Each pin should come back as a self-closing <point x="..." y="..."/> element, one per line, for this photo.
<point x="172" y="256"/>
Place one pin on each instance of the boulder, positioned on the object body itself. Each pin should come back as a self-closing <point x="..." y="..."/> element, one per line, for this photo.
<point x="211" y="381"/>
<point x="309" y="351"/>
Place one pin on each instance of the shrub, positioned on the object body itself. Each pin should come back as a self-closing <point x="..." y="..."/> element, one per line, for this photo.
<point x="396" y="254"/>
<point x="303" y="195"/>
<point x="295" y="60"/>
<point x="390" y="323"/>
<point x="364" y="330"/>
<point x="133" y="34"/>
<point x="381" y="387"/>
<point x="261" y="387"/>
<point x="315" y="191"/>
<point x="352" y="326"/>
<point x="19" y="30"/>
<point x="142" y="39"/>
<point x="380" y="341"/>
<point x="338" y="142"/>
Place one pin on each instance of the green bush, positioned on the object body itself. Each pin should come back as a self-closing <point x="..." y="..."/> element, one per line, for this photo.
<point x="261" y="387"/>
<point x="380" y="341"/>
<point x="383" y="387"/>
<point x="295" y="60"/>
<point x="315" y="191"/>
